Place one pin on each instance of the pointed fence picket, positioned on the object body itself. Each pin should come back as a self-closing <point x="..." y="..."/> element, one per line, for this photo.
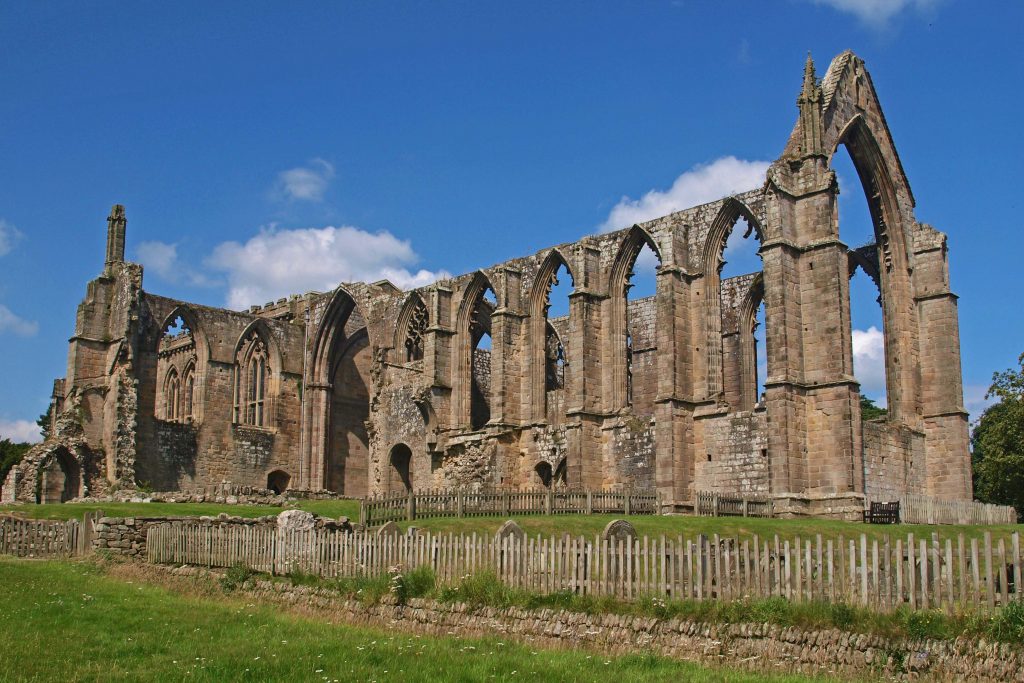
<point x="41" y="538"/>
<point x="919" y="573"/>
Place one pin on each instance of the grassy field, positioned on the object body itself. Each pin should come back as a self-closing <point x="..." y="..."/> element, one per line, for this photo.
<point x="75" y="622"/>
<point x="324" y="508"/>
<point x="557" y="525"/>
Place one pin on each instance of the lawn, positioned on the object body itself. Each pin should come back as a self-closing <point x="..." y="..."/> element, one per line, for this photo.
<point x="75" y="622"/>
<point x="557" y="525"/>
<point x="690" y="527"/>
<point x="324" y="508"/>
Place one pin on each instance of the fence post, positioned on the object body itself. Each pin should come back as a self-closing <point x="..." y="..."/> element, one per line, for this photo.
<point x="460" y="504"/>
<point x="410" y="507"/>
<point x="714" y="505"/>
<point x="549" y="502"/>
<point x="362" y="511"/>
<point x="504" y="503"/>
<point x="628" y="501"/>
<point x="744" y="507"/>
<point x="590" y="502"/>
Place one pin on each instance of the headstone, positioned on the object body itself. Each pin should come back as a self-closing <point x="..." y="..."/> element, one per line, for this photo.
<point x="619" y="530"/>
<point x="388" y="529"/>
<point x="510" y="528"/>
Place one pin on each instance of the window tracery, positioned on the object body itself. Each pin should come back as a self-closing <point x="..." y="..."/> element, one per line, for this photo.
<point x="417" y="327"/>
<point x="252" y="371"/>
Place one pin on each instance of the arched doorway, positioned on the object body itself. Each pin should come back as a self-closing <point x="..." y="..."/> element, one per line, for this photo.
<point x="349" y="453"/>
<point x="400" y="470"/>
<point x="278" y="480"/>
<point x="60" y="478"/>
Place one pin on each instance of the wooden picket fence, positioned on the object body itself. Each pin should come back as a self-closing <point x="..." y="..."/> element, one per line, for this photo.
<point x="425" y="504"/>
<point x="40" y="538"/>
<point x="920" y="573"/>
<point x="918" y="509"/>
<point x="716" y="505"/>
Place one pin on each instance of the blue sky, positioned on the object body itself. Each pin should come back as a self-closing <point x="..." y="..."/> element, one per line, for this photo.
<point x="406" y="140"/>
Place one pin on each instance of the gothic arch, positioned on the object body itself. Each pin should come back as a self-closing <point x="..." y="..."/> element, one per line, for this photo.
<point x="257" y="376"/>
<point x="336" y="398"/>
<point x="618" y="343"/>
<point x="539" y="333"/>
<point x="193" y="355"/>
<point x="466" y="340"/>
<point x="748" y="346"/>
<point x="731" y="211"/>
<point x="191" y="320"/>
<point x="413" y="322"/>
<point x="893" y="275"/>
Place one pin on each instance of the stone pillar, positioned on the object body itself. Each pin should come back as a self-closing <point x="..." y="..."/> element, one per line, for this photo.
<point x="507" y="347"/>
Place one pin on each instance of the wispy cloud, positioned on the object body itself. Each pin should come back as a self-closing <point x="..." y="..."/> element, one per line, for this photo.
<point x="975" y="401"/>
<point x="9" y="236"/>
<point x="701" y="184"/>
<point x="306" y="183"/>
<point x="13" y="324"/>
<point x="162" y="258"/>
<point x="878" y="13"/>
<point x="20" y="431"/>
<point x="277" y="262"/>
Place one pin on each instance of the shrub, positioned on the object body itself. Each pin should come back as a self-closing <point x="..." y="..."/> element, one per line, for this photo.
<point x="236" y="576"/>
<point x="1008" y="623"/>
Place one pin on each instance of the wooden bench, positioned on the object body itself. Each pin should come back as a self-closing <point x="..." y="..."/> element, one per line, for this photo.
<point x="883" y="513"/>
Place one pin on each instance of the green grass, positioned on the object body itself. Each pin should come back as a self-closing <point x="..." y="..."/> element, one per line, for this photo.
<point x="324" y="508"/>
<point x="77" y="622"/>
<point x="690" y="527"/>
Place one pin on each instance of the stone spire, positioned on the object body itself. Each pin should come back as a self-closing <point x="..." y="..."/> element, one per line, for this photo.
<point x="809" y="103"/>
<point x="116" y="227"/>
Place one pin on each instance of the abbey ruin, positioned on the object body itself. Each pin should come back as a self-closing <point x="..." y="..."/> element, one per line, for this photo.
<point x="369" y="389"/>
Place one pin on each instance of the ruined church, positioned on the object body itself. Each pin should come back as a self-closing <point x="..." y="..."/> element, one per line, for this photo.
<point x="369" y="389"/>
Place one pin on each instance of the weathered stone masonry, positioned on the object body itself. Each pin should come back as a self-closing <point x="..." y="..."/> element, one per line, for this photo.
<point x="368" y="388"/>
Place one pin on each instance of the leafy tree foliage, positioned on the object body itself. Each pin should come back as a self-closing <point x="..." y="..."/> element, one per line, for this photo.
<point x="44" y="423"/>
<point x="870" y="411"/>
<point x="998" y="442"/>
<point x="10" y="455"/>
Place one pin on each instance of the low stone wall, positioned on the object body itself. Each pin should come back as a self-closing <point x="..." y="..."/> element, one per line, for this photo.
<point x="233" y="496"/>
<point x="757" y="647"/>
<point x="127" y="535"/>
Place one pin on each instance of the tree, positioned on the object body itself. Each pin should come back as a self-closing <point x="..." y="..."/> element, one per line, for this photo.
<point x="44" y="423"/>
<point x="10" y="455"/>
<point x="998" y="442"/>
<point x="869" y="411"/>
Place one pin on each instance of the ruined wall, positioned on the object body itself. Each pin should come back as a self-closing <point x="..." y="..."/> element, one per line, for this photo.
<point x="649" y="388"/>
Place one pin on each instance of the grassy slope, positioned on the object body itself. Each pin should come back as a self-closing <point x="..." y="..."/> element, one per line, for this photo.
<point x="575" y="525"/>
<point x="70" y="622"/>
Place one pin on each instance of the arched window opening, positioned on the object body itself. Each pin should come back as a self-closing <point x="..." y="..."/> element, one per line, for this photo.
<point x="544" y="474"/>
<point x="558" y="479"/>
<point x="172" y="387"/>
<point x="741" y="317"/>
<point x="480" y="358"/>
<point x="416" y="328"/>
<point x="277" y="481"/>
<point x="60" y="479"/>
<point x="252" y="372"/>
<point x="641" y="346"/>
<point x="176" y="348"/>
<point x="401" y="468"/>
<point x="188" y="393"/>
<point x="867" y="323"/>
<point x="556" y="315"/>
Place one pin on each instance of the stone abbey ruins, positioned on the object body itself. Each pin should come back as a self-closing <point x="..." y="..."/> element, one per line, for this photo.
<point x="369" y="389"/>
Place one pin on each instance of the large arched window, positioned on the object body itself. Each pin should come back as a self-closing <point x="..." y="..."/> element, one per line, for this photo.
<point x="548" y="338"/>
<point x="415" y="329"/>
<point x="252" y="374"/>
<point x="172" y="396"/>
<point x="480" y="358"/>
<point x="176" y="349"/>
<point x="188" y="385"/>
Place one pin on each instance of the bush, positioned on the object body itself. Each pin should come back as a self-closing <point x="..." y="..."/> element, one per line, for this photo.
<point x="236" y="576"/>
<point x="1008" y="623"/>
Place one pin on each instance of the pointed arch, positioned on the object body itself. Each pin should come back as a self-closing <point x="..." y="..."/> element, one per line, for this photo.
<point x="473" y="321"/>
<point x="729" y="214"/>
<point x="540" y="329"/>
<point x="191" y="320"/>
<point x="258" y="364"/>
<point x="619" y="340"/>
<point x="335" y="445"/>
<point x="172" y="395"/>
<point x="413" y="322"/>
<point x="188" y="391"/>
<point x="748" y="343"/>
<point x="893" y="240"/>
<point x="188" y="349"/>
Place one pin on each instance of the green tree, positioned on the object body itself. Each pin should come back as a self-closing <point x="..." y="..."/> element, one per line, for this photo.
<point x="10" y="455"/>
<point x="44" y="423"/>
<point x="998" y="442"/>
<point x="869" y="411"/>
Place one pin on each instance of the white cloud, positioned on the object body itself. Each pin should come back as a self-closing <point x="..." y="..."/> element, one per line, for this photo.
<point x="701" y="184"/>
<point x="877" y="13"/>
<point x="162" y="258"/>
<point x="10" y="322"/>
<point x="20" y="431"/>
<point x="307" y="182"/>
<point x="869" y="362"/>
<point x="275" y="262"/>
<point x="8" y="236"/>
